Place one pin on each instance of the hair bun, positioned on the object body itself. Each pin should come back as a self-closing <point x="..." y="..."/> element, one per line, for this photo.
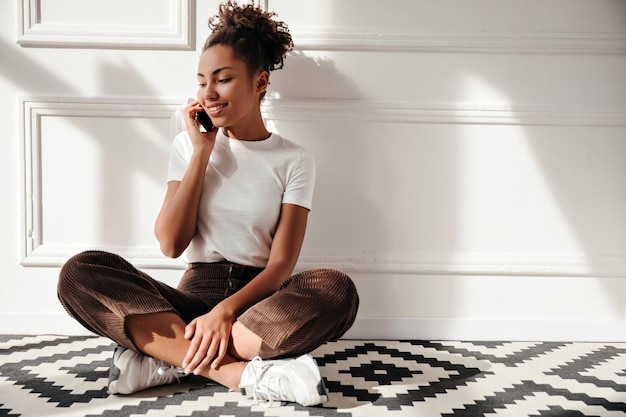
<point x="253" y="33"/>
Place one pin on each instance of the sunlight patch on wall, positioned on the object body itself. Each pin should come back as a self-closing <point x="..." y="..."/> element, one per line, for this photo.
<point x="506" y="203"/>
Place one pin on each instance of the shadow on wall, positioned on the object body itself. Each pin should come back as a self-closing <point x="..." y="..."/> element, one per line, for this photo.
<point x="344" y="154"/>
<point x="576" y="174"/>
<point x="132" y="153"/>
<point x="579" y="177"/>
<point x="314" y="76"/>
<point x="367" y="195"/>
<point x="586" y="176"/>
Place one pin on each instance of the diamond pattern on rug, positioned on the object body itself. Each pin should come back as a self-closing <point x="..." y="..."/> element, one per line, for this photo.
<point x="383" y="374"/>
<point x="67" y="376"/>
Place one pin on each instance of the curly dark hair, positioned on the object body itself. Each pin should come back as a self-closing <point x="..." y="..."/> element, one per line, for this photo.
<point x="254" y="35"/>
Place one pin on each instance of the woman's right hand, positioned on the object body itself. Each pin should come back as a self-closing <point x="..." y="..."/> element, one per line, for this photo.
<point x="200" y="140"/>
<point x="209" y="336"/>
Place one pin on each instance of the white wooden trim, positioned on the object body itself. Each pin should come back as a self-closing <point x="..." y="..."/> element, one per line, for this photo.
<point x="44" y="255"/>
<point x="31" y="32"/>
<point x="33" y="250"/>
<point x="444" y="113"/>
<point x="361" y="39"/>
<point x="36" y="253"/>
<point x="477" y="264"/>
<point x="400" y="328"/>
<point x="410" y="264"/>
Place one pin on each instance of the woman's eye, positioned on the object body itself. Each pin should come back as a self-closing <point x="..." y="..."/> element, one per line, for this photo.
<point x="223" y="80"/>
<point x="201" y="85"/>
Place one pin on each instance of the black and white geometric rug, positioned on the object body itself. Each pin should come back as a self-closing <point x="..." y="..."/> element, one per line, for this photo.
<point x="66" y="376"/>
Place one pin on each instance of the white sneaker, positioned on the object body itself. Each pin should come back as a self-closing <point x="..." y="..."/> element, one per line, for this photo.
<point x="133" y="371"/>
<point x="292" y="380"/>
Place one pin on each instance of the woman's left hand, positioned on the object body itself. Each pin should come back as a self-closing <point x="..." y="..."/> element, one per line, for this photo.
<point x="209" y="335"/>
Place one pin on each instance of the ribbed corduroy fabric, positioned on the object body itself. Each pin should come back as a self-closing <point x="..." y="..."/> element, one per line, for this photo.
<point x="309" y="309"/>
<point x="101" y="289"/>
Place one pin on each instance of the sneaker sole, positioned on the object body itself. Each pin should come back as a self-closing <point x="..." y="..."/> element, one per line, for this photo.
<point x="114" y="372"/>
<point x="116" y="386"/>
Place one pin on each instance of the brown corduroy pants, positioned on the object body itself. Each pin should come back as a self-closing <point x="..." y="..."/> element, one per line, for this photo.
<point x="101" y="289"/>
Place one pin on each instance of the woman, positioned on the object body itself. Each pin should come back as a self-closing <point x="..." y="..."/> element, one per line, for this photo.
<point x="237" y="202"/>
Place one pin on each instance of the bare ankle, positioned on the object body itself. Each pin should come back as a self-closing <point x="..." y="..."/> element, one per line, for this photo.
<point x="242" y="367"/>
<point x="228" y="375"/>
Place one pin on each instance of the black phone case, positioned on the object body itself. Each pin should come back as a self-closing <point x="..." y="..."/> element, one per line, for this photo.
<point x="204" y="120"/>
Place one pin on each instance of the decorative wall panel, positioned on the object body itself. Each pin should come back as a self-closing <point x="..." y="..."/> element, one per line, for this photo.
<point x="118" y="24"/>
<point x="93" y="173"/>
<point x="476" y="26"/>
<point x="38" y="145"/>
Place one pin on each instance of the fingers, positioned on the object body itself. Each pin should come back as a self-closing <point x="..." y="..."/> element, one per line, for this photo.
<point x="220" y="356"/>
<point x="209" y="337"/>
<point x="198" y="136"/>
<point x="201" y="357"/>
<point x="204" y="351"/>
<point x="194" y="355"/>
<point x="193" y="104"/>
<point x="190" y="329"/>
<point x="190" y="111"/>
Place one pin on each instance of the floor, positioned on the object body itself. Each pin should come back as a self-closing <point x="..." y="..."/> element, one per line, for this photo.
<point x="49" y="375"/>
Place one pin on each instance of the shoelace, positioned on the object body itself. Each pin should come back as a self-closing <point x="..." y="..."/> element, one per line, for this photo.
<point x="259" y="370"/>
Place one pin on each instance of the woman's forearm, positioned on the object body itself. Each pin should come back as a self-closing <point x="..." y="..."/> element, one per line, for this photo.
<point x="176" y="223"/>
<point x="282" y="261"/>
<point x="261" y="287"/>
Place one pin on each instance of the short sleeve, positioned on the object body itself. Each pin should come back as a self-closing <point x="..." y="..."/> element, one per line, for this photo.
<point x="180" y="154"/>
<point x="301" y="182"/>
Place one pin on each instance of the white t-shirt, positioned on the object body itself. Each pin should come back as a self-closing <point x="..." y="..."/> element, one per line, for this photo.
<point x="245" y="184"/>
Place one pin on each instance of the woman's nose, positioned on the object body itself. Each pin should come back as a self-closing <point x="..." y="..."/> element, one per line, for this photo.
<point x="209" y="91"/>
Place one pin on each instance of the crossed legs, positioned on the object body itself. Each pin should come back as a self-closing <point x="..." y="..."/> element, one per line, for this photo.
<point x="162" y="335"/>
<point x="112" y="298"/>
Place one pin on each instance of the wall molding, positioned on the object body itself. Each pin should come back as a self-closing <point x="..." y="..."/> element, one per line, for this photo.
<point x="34" y="251"/>
<point x="445" y="113"/>
<point x="458" y="328"/>
<point x="179" y="35"/>
<point x="376" y="262"/>
<point x="45" y="255"/>
<point x="475" y="264"/>
<point x="362" y="39"/>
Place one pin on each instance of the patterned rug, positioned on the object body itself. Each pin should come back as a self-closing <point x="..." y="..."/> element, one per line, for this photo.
<point x="66" y="376"/>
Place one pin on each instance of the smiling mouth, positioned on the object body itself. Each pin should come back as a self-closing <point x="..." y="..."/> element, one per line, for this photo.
<point x="217" y="108"/>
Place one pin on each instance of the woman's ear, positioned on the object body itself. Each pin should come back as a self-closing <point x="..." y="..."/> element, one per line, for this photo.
<point x="262" y="81"/>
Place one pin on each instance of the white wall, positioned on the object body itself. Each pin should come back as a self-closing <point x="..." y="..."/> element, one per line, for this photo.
<point x="471" y="155"/>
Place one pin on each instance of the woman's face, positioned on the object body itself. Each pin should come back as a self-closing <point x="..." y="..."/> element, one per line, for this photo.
<point x="226" y="91"/>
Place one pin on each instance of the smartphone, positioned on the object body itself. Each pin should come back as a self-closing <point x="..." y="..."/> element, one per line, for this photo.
<point x="204" y="120"/>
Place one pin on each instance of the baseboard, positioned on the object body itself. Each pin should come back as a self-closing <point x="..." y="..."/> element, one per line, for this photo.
<point x="390" y="328"/>
<point x="396" y="328"/>
<point x="31" y="324"/>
